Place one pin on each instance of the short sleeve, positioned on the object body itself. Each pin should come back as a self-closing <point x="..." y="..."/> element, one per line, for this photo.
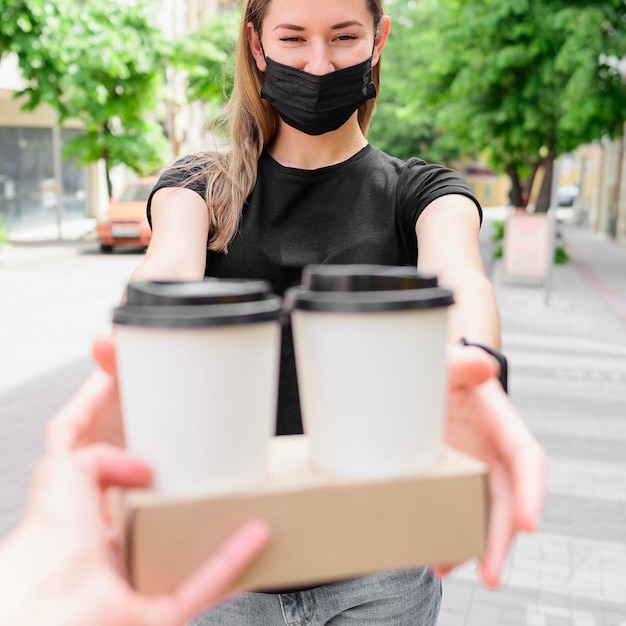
<point x="186" y="172"/>
<point x="421" y="183"/>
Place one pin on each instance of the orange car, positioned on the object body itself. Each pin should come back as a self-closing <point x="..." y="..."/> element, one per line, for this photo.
<point x="125" y="221"/>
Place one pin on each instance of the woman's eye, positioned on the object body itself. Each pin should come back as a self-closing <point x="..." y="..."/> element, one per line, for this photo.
<point x="347" y="37"/>
<point x="291" y="39"/>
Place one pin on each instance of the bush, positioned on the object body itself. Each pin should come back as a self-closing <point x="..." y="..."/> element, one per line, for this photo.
<point x="497" y="236"/>
<point x="560" y="255"/>
<point x="498" y="230"/>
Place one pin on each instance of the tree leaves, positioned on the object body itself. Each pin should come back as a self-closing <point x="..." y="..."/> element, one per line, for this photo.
<point x="100" y="62"/>
<point x="207" y="58"/>
<point x="514" y="79"/>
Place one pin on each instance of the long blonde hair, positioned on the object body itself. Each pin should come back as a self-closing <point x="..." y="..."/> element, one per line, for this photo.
<point x="251" y="124"/>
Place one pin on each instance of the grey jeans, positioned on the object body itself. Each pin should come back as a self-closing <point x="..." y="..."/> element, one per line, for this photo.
<point x="392" y="598"/>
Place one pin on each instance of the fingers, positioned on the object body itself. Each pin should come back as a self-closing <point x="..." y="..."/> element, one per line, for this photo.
<point x="516" y="446"/>
<point x="67" y="429"/>
<point x="442" y="570"/>
<point x="112" y="467"/>
<point x="530" y="489"/>
<point x="470" y="366"/>
<point x="103" y="351"/>
<point x="210" y="583"/>
<point x="61" y="434"/>
<point x="517" y="477"/>
<point x="71" y="488"/>
<point x="501" y="526"/>
<point x="92" y="415"/>
<point x="493" y="430"/>
<point x="214" y="580"/>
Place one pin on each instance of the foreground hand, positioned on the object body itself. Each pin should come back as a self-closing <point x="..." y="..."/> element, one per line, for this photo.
<point x="483" y="422"/>
<point x="57" y="567"/>
<point x="93" y="415"/>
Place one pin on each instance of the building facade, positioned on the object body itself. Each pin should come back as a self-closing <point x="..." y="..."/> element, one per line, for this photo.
<point x="28" y="177"/>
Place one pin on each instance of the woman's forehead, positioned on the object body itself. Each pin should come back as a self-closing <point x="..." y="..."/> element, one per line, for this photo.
<point x="318" y="13"/>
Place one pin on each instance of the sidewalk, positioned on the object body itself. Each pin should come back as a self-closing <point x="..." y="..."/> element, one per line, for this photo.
<point x="567" y="356"/>
<point x="46" y="239"/>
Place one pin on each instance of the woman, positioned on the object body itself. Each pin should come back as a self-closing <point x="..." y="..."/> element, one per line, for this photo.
<point x="301" y="185"/>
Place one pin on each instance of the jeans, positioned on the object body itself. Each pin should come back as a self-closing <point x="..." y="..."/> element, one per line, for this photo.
<point x="392" y="598"/>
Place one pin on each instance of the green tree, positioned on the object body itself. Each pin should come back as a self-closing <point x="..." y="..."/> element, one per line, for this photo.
<point x="207" y="58"/>
<point x="203" y="61"/>
<point x="402" y="125"/>
<point x="527" y="80"/>
<point x="19" y="25"/>
<point x="98" y="61"/>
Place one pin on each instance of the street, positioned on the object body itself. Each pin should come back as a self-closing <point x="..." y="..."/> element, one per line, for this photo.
<point x="567" y="359"/>
<point x="54" y="301"/>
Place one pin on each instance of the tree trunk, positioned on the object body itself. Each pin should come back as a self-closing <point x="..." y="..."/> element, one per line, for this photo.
<point x="105" y="158"/>
<point x="108" y="175"/>
<point x="517" y="191"/>
<point x="616" y="191"/>
<point x="545" y="192"/>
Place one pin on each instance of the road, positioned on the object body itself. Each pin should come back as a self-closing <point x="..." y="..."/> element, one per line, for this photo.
<point x="55" y="299"/>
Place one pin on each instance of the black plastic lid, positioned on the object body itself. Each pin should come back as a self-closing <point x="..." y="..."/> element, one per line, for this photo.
<point x="197" y="304"/>
<point x="365" y="278"/>
<point x="367" y="301"/>
<point x="366" y="288"/>
<point x="195" y="292"/>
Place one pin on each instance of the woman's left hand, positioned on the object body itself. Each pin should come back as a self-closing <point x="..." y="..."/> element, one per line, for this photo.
<point x="483" y="422"/>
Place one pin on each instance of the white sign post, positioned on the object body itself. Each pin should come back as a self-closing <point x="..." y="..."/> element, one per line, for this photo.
<point x="528" y="247"/>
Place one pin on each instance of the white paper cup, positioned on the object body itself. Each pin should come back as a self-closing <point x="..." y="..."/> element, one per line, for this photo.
<point x="198" y="374"/>
<point x="371" y="369"/>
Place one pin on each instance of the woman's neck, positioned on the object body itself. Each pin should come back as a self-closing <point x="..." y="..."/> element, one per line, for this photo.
<point x="292" y="148"/>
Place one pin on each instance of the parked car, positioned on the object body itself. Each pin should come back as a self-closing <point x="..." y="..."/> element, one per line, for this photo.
<point x="567" y="194"/>
<point x="125" y="221"/>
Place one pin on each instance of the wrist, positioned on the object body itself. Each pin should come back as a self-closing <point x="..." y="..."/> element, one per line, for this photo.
<point x="496" y="354"/>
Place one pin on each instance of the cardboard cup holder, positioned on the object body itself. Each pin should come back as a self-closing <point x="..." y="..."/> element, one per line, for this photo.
<point x="323" y="528"/>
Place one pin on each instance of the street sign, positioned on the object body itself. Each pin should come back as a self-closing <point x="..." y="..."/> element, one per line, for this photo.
<point x="528" y="247"/>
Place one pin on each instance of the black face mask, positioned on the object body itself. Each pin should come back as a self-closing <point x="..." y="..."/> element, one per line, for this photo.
<point x="314" y="104"/>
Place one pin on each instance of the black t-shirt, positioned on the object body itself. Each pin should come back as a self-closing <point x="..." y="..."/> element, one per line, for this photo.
<point x="363" y="210"/>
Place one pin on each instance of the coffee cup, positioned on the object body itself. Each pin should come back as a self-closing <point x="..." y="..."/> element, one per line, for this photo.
<point x="370" y="358"/>
<point x="198" y="374"/>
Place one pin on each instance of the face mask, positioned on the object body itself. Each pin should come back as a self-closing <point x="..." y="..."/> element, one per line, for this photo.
<point x="317" y="104"/>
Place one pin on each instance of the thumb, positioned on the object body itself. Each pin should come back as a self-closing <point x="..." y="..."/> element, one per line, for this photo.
<point x="103" y="351"/>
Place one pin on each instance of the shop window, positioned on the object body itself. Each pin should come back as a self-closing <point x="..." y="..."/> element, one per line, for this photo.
<point x="27" y="187"/>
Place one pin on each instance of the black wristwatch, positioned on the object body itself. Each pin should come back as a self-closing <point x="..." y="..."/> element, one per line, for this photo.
<point x="504" y="367"/>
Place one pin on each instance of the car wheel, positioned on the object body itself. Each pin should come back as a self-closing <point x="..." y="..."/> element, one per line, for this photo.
<point x="105" y="248"/>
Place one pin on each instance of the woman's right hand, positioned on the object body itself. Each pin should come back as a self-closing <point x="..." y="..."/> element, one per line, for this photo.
<point x="93" y="414"/>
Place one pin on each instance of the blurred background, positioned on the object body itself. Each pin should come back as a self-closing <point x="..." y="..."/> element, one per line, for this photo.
<point x="94" y="94"/>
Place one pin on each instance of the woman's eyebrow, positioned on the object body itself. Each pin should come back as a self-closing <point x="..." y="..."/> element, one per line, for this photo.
<point x="335" y="27"/>
<point x="289" y="27"/>
<point x="347" y="25"/>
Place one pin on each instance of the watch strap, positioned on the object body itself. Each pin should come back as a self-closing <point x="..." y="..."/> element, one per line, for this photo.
<point x="504" y="367"/>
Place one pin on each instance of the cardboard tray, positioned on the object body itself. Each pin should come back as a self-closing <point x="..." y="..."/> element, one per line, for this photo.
<point x="323" y="528"/>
